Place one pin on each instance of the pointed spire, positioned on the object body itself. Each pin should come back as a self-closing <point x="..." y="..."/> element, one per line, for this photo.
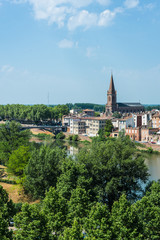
<point x="111" y="87"/>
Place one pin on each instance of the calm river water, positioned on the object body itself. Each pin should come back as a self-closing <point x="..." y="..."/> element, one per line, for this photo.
<point x="153" y="163"/>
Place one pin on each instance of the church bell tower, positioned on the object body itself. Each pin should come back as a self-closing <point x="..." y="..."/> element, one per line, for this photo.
<point x="111" y="105"/>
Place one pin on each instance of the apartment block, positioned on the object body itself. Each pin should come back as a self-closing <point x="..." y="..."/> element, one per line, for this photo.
<point x="134" y="133"/>
<point x="156" y="120"/>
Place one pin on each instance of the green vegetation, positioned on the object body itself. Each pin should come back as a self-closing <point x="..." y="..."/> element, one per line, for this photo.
<point x="103" y="133"/>
<point x="60" y="136"/>
<point x="43" y="136"/>
<point x="81" y="106"/>
<point x="150" y="107"/>
<point x="73" y="138"/>
<point x="56" y="218"/>
<point x="150" y="150"/>
<point x="97" y="194"/>
<point x="32" y="113"/>
<point x="42" y="170"/>
<point x="6" y="213"/>
<point x="138" y="144"/>
<point x="11" y="137"/>
<point x="117" y="115"/>
<point x="108" y="128"/>
<point x="97" y="114"/>
<point x="18" y="160"/>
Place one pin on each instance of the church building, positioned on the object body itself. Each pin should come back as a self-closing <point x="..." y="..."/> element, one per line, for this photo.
<point x="112" y="105"/>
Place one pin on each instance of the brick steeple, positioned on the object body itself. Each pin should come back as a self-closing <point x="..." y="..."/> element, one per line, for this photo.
<point x="111" y="105"/>
<point x="111" y="87"/>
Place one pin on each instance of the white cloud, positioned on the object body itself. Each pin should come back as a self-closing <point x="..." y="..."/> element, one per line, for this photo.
<point x="83" y="18"/>
<point x="66" y="44"/>
<point x="75" y="13"/>
<point x="106" y="18"/>
<point x="6" y="69"/>
<point x="131" y="3"/>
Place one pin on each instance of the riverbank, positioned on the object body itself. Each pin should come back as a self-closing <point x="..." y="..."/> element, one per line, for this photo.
<point x="155" y="147"/>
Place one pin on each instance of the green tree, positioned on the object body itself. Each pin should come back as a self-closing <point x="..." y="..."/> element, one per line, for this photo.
<point x="108" y="127"/>
<point x="126" y="223"/>
<point x="114" y="168"/>
<point x="148" y="209"/>
<point x="75" y="138"/>
<point x="98" y="223"/>
<point x="18" y="160"/>
<point x="42" y="170"/>
<point x="60" y="136"/>
<point x="73" y="232"/>
<point x="6" y="213"/>
<point x="73" y="175"/>
<point x="79" y="204"/>
<point x="117" y="115"/>
<point x="11" y="137"/>
<point x="31" y="223"/>
<point x="54" y="207"/>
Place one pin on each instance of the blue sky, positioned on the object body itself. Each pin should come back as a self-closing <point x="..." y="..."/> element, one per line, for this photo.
<point x="67" y="49"/>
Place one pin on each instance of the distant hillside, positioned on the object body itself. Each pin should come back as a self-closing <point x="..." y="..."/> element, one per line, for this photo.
<point x="149" y="107"/>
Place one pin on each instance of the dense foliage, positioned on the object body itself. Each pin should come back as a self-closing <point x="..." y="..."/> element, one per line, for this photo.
<point x="11" y="137"/>
<point x="96" y="194"/>
<point x="150" y="107"/>
<point x="95" y="107"/>
<point x="56" y="218"/>
<point x="42" y="170"/>
<point x="32" y="113"/>
<point x="6" y="212"/>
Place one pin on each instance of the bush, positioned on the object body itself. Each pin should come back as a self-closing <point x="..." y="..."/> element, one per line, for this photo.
<point x="60" y="135"/>
<point x="150" y="150"/>
<point x="7" y="181"/>
<point x="43" y="136"/>
<point x="73" y="138"/>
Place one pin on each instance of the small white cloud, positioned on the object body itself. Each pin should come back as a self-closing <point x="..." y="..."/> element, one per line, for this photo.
<point x="150" y="6"/>
<point x="66" y="44"/>
<point x="131" y="3"/>
<point x="90" y="52"/>
<point x="106" y="18"/>
<point x="7" y="69"/>
<point x="83" y="18"/>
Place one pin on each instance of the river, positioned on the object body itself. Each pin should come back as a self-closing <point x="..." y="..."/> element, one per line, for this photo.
<point x="153" y="163"/>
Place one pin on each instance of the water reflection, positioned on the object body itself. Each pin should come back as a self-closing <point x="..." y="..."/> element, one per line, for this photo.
<point x="153" y="163"/>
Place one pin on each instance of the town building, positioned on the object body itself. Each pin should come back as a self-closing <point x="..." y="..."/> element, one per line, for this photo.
<point x="150" y="134"/>
<point x="88" y="112"/>
<point x="89" y="126"/>
<point x="126" y="123"/>
<point x="156" y="120"/>
<point x="142" y="119"/>
<point x="77" y="126"/>
<point x="112" y="105"/>
<point x="134" y="133"/>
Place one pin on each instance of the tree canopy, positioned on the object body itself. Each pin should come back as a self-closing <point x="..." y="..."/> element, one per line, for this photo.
<point x="32" y="113"/>
<point x="11" y="137"/>
<point x="42" y="170"/>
